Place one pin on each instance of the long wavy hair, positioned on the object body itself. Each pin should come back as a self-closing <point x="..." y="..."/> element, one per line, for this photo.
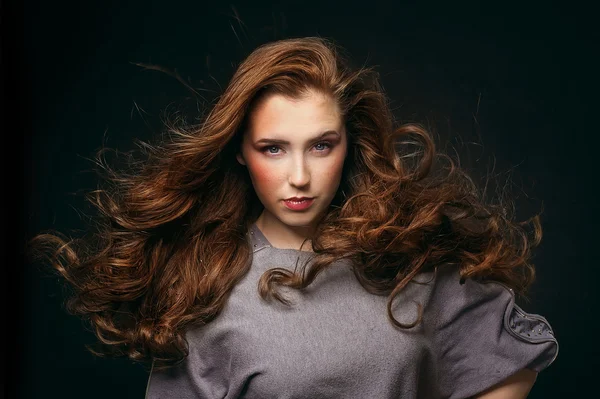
<point x="169" y="242"/>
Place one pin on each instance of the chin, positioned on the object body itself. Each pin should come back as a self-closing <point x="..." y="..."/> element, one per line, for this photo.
<point x="297" y="219"/>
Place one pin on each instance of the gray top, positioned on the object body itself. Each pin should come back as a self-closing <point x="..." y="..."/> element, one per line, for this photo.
<point x="337" y="342"/>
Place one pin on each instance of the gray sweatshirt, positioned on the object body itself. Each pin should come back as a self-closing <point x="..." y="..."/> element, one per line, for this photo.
<point x="336" y="341"/>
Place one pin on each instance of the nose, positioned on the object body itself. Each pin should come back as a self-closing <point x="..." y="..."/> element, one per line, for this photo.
<point x="299" y="175"/>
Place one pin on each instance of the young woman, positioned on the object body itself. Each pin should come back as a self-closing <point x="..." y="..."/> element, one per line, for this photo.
<point x="298" y="244"/>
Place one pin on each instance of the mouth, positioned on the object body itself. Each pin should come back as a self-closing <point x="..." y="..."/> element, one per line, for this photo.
<point x="298" y="203"/>
<point x="298" y="199"/>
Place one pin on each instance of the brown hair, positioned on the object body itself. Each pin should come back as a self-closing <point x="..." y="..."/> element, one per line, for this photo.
<point x="170" y="240"/>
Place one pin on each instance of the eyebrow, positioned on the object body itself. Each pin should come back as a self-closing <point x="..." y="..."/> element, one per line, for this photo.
<point x="279" y="141"/>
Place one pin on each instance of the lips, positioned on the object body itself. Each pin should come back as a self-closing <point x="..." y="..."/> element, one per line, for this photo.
<point x="298" y="199"/>
<point x="298" y="203"/>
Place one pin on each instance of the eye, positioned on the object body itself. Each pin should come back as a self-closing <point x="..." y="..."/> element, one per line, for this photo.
<point x="321" y="147"/>
<point x="267" y="149"/>
<point x="325" y="145"/>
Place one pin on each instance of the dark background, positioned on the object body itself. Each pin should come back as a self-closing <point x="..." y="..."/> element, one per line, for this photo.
<point x="511" y="89"/>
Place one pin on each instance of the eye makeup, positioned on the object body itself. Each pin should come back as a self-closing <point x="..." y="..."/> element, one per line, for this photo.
<point x="330" y="134"/>
<point x="327" y="148"/>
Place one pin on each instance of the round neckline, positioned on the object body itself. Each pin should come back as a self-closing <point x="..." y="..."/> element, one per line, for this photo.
<point x="261" y="241"/>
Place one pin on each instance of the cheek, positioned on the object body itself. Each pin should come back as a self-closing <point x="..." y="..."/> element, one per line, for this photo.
<point x="264" y="176"/>
<point x="335" y="168"/>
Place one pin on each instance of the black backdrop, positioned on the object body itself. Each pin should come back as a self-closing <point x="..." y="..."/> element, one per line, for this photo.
<point x="510" y="89"/>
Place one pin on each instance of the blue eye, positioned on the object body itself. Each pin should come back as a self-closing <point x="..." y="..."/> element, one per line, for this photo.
<point x="322" y="147"/>
<point x="327" y="145"/>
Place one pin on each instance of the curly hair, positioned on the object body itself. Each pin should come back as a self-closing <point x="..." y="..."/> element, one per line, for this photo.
<point x="169" y="242"/>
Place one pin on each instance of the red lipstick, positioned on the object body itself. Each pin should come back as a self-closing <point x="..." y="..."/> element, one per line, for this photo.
<point x="298" y="203"/>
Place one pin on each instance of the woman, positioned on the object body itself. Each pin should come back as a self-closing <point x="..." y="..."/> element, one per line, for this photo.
<point x="257" y="254"/>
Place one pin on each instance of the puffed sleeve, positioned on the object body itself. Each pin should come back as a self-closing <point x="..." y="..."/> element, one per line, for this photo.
<point x="481" y="337"/>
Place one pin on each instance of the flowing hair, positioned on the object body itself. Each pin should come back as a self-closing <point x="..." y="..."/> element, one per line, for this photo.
<point x="169" y="242"/>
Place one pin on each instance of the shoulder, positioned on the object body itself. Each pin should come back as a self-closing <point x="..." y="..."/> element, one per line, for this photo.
<point x="453" y="297"/>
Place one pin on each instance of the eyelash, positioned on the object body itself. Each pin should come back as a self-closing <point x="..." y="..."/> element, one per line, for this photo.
<point x="327" y="144"/>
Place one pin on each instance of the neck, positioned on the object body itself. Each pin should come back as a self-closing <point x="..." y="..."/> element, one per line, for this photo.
<point x="285" y="236"/>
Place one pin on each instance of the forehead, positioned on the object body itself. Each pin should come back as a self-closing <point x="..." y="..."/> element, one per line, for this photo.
<point x="279" y="115"/>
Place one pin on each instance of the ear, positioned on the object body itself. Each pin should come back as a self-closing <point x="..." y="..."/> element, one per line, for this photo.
<point x="240" y="158"/>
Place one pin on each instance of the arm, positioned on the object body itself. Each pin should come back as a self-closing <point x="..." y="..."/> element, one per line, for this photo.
<point x="517" y="386"/>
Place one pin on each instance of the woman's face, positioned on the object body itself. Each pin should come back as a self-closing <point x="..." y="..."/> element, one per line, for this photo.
<point x="294" y="148"/>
